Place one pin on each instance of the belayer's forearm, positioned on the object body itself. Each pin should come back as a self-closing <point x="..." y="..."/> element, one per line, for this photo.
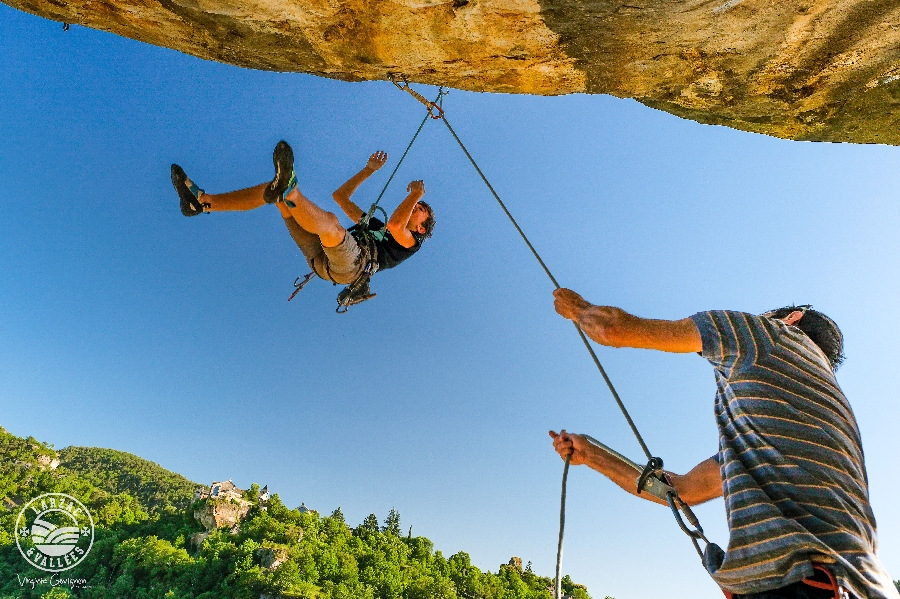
<point x="617" y="471"/>
<point x="615" y="327"/>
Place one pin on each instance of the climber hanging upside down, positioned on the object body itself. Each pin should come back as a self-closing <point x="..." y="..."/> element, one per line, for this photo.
<point x="333" y="252"/>
<point x="790" y="460"/>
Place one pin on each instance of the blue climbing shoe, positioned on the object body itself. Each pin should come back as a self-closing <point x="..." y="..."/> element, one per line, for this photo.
<point x="189" y="195"/>
<point x="283" y="157"/>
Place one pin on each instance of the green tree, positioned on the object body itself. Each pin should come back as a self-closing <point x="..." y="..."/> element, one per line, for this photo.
<point x="392" y="523"/>
<point x="576" y="591"/>
<point x="115" y="509"/>
<point x="370" y="524"/>
<point x="430" y="587"/>
<point x="252" y="494"/>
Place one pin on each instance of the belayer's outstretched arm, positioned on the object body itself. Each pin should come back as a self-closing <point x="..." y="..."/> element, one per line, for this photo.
<point x="399" y="220"/>
<point x="343" y="193"/>
<point x="617" y="328"/>
<point x="699" y="485"/>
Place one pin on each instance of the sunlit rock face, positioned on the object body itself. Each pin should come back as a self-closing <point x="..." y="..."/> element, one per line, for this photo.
<point x="826" y="70"/>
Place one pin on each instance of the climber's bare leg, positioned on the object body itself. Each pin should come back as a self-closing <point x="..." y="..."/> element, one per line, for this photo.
<point x="315" y="220"/>
<point x="242" y="199"/>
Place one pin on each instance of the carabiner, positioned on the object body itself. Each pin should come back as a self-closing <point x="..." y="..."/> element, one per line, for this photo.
<point x="298" y="285"/>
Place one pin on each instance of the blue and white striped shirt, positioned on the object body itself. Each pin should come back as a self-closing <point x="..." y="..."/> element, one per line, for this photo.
<point x="791" y="460"/>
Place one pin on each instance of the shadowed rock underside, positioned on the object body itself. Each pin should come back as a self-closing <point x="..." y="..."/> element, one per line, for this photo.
<point x="823" y="70"/>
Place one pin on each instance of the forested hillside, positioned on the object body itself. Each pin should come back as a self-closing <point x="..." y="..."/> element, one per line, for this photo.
<point x="148" y="545"/>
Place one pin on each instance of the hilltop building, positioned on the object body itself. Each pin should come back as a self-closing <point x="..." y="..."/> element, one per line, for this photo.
<point x="219" y="490"/>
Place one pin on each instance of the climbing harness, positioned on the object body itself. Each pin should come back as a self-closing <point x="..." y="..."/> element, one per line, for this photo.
<point x="832" y="584"/>
<point x="359" y="291"/>
<point x="652" y="478"/>
<point x="838" y="592"/>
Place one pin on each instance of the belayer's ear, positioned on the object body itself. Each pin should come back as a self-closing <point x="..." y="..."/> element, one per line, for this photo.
<point x="793" y="317"/>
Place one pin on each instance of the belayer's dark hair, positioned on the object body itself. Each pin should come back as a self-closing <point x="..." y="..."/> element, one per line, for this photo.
<point x="823" y="331"/>
<point x="428" y="223"/>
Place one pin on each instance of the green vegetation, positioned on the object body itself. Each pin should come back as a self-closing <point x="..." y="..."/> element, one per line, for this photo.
<point x="118" y="472"/>
<point x="147" y="544"/>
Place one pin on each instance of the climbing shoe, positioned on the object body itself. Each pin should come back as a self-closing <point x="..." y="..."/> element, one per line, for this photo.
<point x="283" y="157"/>
<point x="189" y="195"/>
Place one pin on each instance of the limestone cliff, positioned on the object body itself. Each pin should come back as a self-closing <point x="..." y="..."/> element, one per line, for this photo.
<point x="799" y="69"/>
<point x="213" y="514"/>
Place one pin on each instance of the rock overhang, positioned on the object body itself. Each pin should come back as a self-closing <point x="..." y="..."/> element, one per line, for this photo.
<point x="816" y="70"/>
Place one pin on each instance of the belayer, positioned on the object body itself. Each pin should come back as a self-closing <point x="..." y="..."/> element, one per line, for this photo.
<point x="790" y="461"/>
<point x="333" y="252"/>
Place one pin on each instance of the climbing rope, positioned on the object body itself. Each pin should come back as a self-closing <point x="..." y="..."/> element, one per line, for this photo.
<point x="581" y="334"/>
<point x="537" y="256"/>
<point x="654" y="467"/>
<point x="562" y="528"/>
<point x="431" y="106"/>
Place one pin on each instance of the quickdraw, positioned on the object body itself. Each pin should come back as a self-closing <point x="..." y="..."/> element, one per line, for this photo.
<point x="434" y="109"/>
<point x="298" y="285"/>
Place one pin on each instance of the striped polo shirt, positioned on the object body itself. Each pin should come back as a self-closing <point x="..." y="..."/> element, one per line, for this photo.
<point x="791" y="460"/>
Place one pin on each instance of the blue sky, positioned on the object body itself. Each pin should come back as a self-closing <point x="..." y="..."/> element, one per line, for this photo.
<point x="125" y="325"/>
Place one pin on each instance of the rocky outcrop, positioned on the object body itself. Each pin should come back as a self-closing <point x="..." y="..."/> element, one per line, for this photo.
<point x="196" y="540"/>
<point x="46" y="462"/>
<point x="824" y="70"/>
<point x="216" y="513"/>
<point x="270" y="557"/>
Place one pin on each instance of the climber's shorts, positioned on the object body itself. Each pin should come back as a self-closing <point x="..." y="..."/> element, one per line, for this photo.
<point x="341" y="264"/>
